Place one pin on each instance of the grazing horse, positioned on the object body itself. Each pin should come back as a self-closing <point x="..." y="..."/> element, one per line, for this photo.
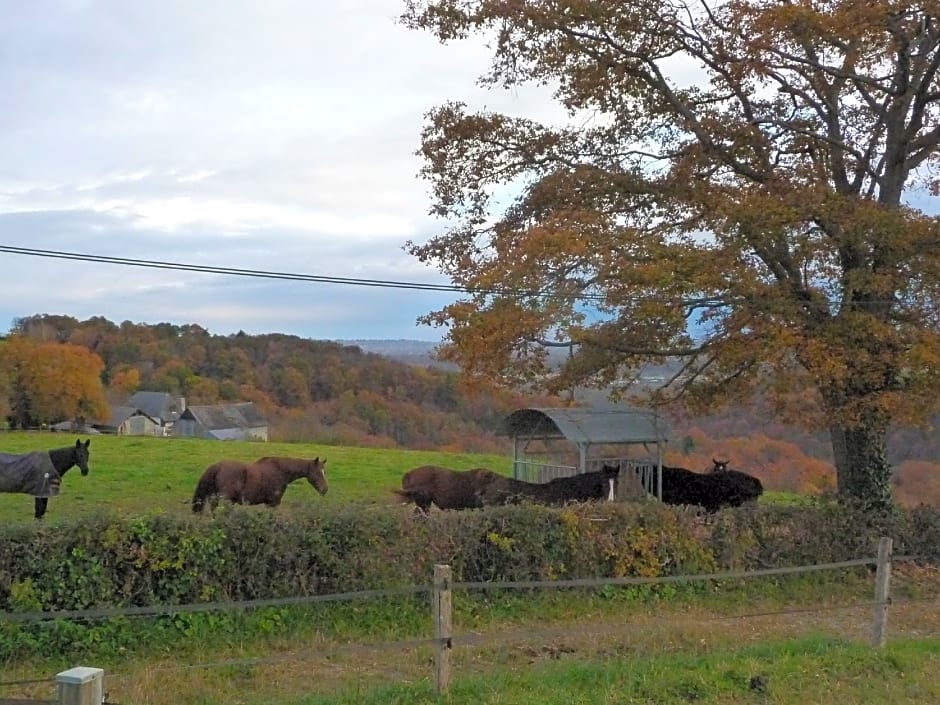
<point x="40" y="473"/>
<point x="261" y="482"/>
<point x="712" y="491"/>
<point x="583" y="487"/>
<point x="479" y="487"/>
<point x="443" y="487"/>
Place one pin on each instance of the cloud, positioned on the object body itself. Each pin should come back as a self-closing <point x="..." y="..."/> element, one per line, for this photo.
<point x="276" y="135"/>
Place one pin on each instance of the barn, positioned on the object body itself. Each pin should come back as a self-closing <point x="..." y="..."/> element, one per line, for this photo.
<point x="241" y="421"/>
<point x="558" y="442"/>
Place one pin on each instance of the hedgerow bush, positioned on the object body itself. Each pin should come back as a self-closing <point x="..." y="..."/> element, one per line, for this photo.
<point x="249" y="553"/>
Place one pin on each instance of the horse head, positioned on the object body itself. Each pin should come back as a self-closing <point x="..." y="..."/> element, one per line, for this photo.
<point x="719" y="465"/>
<point x="81" y="455"/>
<point x="316" y="474"/>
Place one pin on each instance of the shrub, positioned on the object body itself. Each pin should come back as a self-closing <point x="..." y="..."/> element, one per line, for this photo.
<point x="249" y="553"/>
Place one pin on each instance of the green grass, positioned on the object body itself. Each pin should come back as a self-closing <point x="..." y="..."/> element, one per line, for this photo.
<point x="134" y="475"/>
<point x="816" y="669"/>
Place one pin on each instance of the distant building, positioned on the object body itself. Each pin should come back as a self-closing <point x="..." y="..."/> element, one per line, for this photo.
<point x="129" y="421"/>
<point x="160" y="406"/>
<point x="241" y="421"/>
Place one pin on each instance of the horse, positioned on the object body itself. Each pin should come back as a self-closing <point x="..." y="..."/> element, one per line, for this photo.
<point x="443" y="487"/>
<point x="583" y="487"/>
<point x="261" y="482"/>
<point x="40" y="472"/>
<point x="711" y="491"/>
<point x="719" y="465"/>
<point x="479" y="487"/>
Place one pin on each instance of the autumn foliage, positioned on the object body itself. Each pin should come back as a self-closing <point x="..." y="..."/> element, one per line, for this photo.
<point x="738" y="186"/>
<point x="49" y="382"/>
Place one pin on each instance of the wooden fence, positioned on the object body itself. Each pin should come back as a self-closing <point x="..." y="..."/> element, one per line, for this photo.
<point x="84" y="685"/>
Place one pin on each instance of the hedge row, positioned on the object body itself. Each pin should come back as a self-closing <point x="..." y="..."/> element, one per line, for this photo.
<point x="243" y="554"/>
<point x="249" y="553"/>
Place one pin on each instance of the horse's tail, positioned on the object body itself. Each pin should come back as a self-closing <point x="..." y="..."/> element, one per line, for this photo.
<point x="205" y="488"/>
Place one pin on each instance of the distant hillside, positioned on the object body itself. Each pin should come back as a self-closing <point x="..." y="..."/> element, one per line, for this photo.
<point x="392" y="393"/>
<point x="409" y="352"/>
<point x="310" y="390"/>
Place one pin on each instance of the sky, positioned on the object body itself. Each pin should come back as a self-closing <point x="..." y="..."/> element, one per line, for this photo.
<point x="273" y="135"/>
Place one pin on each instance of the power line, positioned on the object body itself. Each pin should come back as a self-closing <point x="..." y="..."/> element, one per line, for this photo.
<point x="350" y="281"/>
<point x="290" y="276"/>
<point x="213" y="269"/>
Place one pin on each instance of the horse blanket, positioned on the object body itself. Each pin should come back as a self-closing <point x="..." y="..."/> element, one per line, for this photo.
<point x="30" y="473"/>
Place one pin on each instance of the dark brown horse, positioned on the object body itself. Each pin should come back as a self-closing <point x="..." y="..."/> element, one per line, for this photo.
<point x="261" y="482"/>
<point x="443" y="487"/>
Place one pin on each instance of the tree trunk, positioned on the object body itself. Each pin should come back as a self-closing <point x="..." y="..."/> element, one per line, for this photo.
<point x="862" y="470"/>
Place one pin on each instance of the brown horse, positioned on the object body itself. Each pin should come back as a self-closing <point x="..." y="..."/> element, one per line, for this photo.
<point x="261" y="482"/>
<point x="479" y="487"/>
<point x="448" y="489"/>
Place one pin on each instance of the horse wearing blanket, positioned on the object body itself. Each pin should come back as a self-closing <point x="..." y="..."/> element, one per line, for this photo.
<point x="40" y="472"/>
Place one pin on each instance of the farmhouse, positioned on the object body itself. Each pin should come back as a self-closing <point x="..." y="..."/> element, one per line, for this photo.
<point x="241" y="421"/>
<point x="160" y="406"/>
<point x="129" y="421"/>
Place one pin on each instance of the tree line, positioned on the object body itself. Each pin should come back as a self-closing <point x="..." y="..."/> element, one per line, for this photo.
<point x="57" y="368"/>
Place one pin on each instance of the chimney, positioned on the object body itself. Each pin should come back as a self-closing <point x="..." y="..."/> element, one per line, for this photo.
<point x="180" y="405"/>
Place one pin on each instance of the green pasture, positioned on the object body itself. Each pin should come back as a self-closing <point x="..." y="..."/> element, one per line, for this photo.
<point x="135" y="474"/>
<point x="814" y="669"/>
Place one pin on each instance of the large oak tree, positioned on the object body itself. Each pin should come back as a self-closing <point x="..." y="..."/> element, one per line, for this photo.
<point x="731" y="191"/>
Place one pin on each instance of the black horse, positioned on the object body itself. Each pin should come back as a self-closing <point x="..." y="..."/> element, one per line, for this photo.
<point x="583" y="487"/>
<point x="712" y="491"/>
<point x="40" y="473"/>
<point x="719" y="465"/>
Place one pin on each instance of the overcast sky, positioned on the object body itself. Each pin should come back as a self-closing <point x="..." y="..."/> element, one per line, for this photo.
<point x="262" y="134"/>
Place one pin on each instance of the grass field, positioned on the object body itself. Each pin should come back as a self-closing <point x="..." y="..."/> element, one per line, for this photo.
<point x="549" y="647"/>
<point x="135" y="474"/>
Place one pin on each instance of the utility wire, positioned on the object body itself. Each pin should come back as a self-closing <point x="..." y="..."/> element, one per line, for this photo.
<point x="213" y="269"/>
<point x="598" y="297"/>
<point x="287" y="276"/>
<point x="321" y="279"/>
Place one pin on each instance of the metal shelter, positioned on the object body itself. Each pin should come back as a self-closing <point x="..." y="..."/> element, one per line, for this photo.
<point x="598" y="435"/>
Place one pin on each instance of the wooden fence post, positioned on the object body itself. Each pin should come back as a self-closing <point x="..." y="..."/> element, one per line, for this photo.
<point x="81" y="686"/>
<point x="882" y="587"/>
<point x="441" y="606"/>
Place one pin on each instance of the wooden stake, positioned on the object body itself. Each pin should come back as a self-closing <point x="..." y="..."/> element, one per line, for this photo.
<point x="442" y="607"/>
<point x="882" y="586"/>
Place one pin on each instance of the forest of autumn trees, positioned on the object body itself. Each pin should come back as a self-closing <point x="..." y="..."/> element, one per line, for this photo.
<point x="309" y="390"/>
<point x="54" y="368"/>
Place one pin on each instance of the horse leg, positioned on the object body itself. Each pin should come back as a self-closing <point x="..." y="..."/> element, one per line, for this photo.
<point x="39" y="506"/>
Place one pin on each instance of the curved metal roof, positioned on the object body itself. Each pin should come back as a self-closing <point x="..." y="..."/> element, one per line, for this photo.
<point x="585" y="426"/>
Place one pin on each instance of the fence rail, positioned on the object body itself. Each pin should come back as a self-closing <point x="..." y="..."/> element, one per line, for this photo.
<point x="444" y="640"/>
